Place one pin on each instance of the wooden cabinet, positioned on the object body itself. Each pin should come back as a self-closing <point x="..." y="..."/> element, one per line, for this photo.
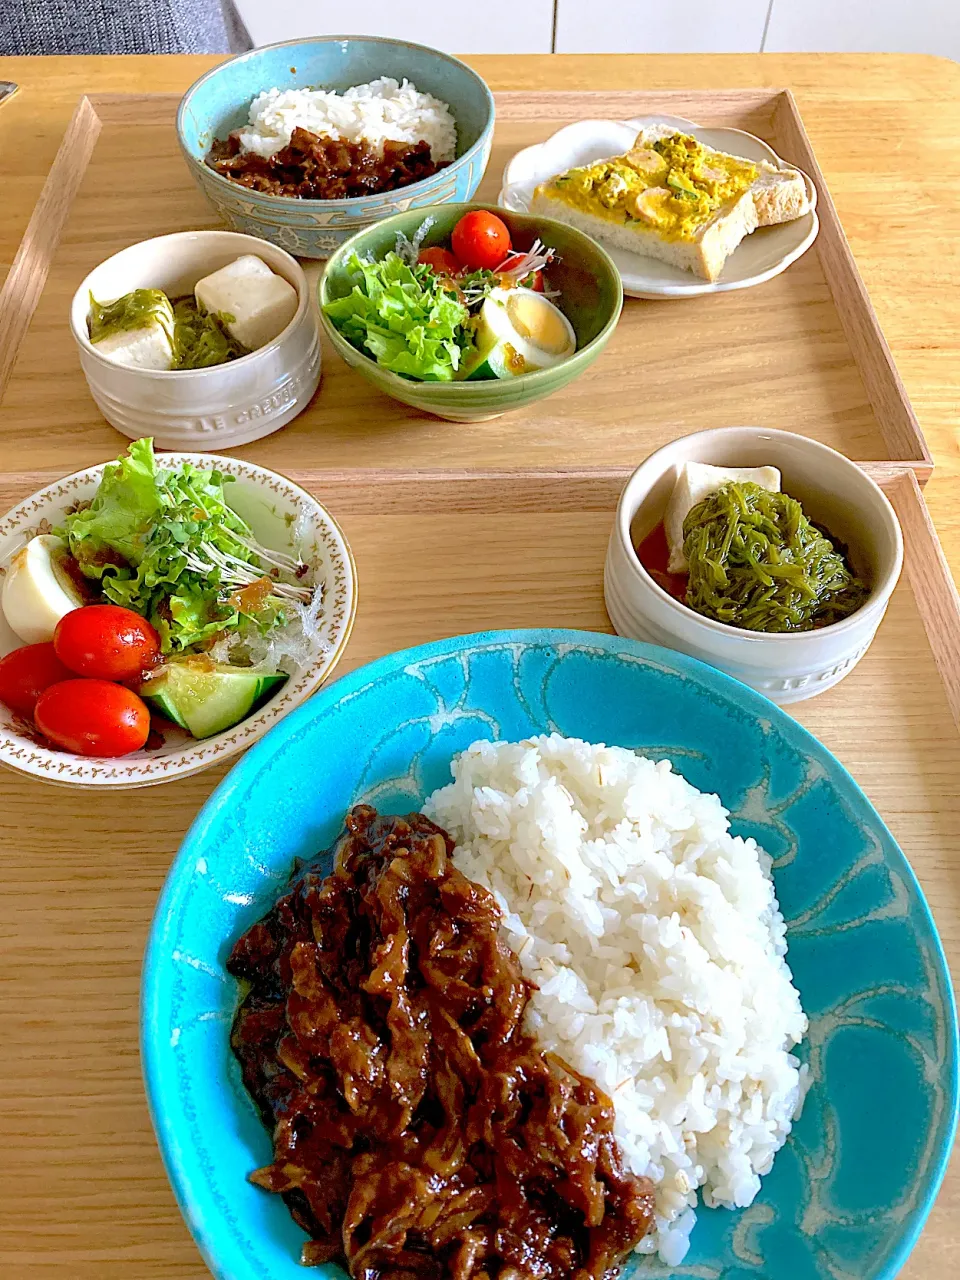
<point x="501" y="26"/>
<point x="652" y="26"/>
<point x="626" y="26"/>
<point x="864" y="26"/>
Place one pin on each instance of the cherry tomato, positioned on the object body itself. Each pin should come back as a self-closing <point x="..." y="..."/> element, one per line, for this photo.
<point x="93" y="717"/>
<point x="26" y="672"/>
<point x="480" y="240"/>
<point x="443" y="262"/>
<point x="106" y="642"/>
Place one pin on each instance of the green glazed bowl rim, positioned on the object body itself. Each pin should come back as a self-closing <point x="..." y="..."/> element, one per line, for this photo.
<point x="481" y="388"/>
<point x="352" y="202"/>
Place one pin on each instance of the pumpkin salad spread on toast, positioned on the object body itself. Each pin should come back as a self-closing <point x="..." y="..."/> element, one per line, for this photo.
<point x="671" y="197"/>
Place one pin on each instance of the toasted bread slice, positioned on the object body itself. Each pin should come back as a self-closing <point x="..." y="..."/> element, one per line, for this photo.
<point x="773" y="196"/>
<point x="780" y="195"/>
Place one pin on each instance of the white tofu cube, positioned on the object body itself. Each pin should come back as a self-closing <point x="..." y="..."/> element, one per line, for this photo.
<point x="260" y="302"/>
<point x="695" y="482"/>
<point x="147" y="348"/>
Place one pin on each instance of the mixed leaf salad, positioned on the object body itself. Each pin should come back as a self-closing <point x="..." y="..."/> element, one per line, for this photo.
<point x="476" y="310"/>
<point x="154" y="596"/>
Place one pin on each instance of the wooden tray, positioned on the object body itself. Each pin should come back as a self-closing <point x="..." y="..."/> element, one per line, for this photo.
<point x="803" y="351"/>
<point x="82" y="1186"/>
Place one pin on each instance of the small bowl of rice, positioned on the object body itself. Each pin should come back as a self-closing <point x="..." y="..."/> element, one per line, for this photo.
<point x="382" y="96"/>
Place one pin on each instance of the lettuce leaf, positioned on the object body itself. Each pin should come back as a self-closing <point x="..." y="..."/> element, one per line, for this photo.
<point x="165" y="544"/>
<point x="403" y="318"/>
<point x="120" y="518"/>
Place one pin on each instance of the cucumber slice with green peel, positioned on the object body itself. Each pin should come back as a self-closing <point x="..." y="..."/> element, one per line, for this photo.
<point x="494" y="364"/>
<point x="205" y="698"/>
<point x="161" y="701"/>
<point x="477" y="366"/>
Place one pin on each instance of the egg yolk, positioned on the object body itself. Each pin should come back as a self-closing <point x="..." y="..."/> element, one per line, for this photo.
<point x="538" y="323"/>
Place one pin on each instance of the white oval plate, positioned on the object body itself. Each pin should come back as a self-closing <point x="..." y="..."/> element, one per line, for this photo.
<point x="273" y="507"/>
<point x="759" y="257"/>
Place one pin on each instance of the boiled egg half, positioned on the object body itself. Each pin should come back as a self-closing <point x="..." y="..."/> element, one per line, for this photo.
<point x="37" y="591"/>
<point x="519" y="331"/>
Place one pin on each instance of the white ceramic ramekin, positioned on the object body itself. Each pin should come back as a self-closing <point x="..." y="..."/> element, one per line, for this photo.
<point x="832" y="490"/>
<point x="218" y="408"/>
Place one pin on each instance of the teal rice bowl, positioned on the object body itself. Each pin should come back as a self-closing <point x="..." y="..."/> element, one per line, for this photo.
<point x="219" y="102"/>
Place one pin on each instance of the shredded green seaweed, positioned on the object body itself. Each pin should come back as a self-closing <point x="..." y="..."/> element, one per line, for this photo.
<point x="135" y="310"/>
<point x="200" y="338"/>
<point x="758" y="563"/>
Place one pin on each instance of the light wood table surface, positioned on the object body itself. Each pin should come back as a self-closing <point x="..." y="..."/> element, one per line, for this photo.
<point x="884" y="127"/>
<point x="885" y="130"/>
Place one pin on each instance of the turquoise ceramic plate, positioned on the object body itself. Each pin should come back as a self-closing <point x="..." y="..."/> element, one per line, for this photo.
<point x="849" y="1192"/>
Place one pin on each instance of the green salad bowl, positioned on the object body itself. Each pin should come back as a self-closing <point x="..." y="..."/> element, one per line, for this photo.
<point x="591" y="297"/>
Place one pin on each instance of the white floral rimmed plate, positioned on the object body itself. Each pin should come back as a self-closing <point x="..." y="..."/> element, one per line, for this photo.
<point x="759" y="257"/>
<point x="283" y="517"/>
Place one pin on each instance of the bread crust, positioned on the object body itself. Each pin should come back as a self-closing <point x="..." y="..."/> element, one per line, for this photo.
<point x="777" y="195"/>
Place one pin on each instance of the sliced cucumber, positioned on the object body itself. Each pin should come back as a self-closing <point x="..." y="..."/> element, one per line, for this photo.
<point x="501" y="361"/>
<point x="163" y="703"/>
<point x="206" y="698"/>
<point x="478" y="365"/>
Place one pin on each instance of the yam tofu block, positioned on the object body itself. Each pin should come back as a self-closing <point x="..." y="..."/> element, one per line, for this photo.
<point x="695" y="482"/>
<point x="260" y="302"/>
<point x="146" y="348"/>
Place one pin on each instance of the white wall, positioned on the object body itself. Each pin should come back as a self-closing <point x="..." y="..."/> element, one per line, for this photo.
<point x="624" y="26"/>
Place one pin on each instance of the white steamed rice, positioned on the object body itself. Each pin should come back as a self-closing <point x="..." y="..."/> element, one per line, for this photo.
<point x="381" y="110"/>
<point x="658" y="947"/>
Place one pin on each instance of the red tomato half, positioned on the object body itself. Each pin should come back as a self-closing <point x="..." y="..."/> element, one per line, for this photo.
<point x="480" y="240"/>
<point x="442" y="261"/>
<point x="25" y="673"/>
<point x="93" y="717"/>
<point x="106" y="642"/>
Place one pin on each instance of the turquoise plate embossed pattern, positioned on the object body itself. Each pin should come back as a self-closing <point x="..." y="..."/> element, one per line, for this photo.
<point x="848" y="1193"/>
<point x="219" y="102"/>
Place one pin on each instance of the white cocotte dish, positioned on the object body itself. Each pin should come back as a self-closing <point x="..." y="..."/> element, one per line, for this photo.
<point x="759" y="257"/>
<point x="833" y="492"/>
<point x="216" y="408"/>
